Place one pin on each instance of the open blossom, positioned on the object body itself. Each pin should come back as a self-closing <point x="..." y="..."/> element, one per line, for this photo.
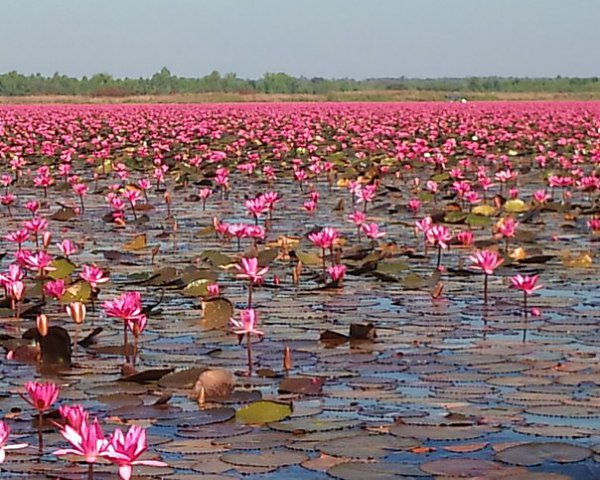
<point x="55" y="288"/>
<point x="204" y="193"/>
<point x="247" y="323"/>
<point x="256" y="206"/>
<point x="93" y="275"/>
<point x="372" y="231"/>
<point x="337" y="273"/>
<point x="125" y="449"/>
<point x="14" y="273"/>
<point x="4" y="434"/>
<point x="414" y="204"/>
<point x="366" y="193"/>
<point x="325" y="238"/>
<point x="310" y="206"/>
<point x="248" y="268"/>
<point x="39" y="262"/>
<point x="594" y="224"/>
<point x="41" y="395"/>
<point x="526" y="283"/>
<point x="486" y="261"/>
<point x="438" y="235"/>
<point x="357" y="217"/>
<point x="87" y="441"/>
<point x="36" y="225"/>
<point x="508" y="227"/>
<point x="73" y="415"/>
<point x="67" y="248"/>
<point x="465" y="237"/>
<point x="541" y="196"/>
<point x="127" y="306"/>
<point x="424" y="225"/>
<point x="18" y="236"/>
<point x="270" y="199"/>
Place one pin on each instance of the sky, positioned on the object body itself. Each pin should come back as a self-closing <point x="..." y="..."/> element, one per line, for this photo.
<point x="324" y="38"/>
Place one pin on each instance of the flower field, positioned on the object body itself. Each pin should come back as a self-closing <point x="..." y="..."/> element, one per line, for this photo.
<point x="304" y="291"/>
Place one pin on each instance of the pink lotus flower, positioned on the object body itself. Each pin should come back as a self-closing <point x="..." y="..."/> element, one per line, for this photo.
<point x="486" y="261"/>
<point x="465" y="237"/>
<point x="93" y="275"/>
<point x="526" y="284"/>
<point x="55" y="288"/>
<point x="337" y="273"/>
<point x="16" y="290"/>
<point x="594" y="224"/>
<point x="137" y="324"/>
<point x="4" y="434"/>
<point x="213" y="289"/>
<point x="439" y="235"/>
<point x="67" y="248"/>
<point x="357" y="217"/>
<point x="18" y="236"/>
<point x="73" y="415"/>
<point x="310" y="206"/>
<point x="126" y="306"/>
<point x="247" y="323"/>
<point x="414" y="204"/>
<point x="125" y="449"/>
<point x="325" y="238"/>
<point x="87" y="441"/>
<point x="39" y="262"/>
<point x="41" y="395"/>
<point x="541" y="196"/>
<point x="508" y="227"/>
<point x="372" y="231"/>
<point x="248" y="268"/>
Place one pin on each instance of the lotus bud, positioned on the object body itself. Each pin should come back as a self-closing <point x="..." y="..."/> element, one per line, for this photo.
<point x="46" y="239"/>
<point x="287" y="359"/>
<point x="77" y="312"/>
<point x="42" y="324"/>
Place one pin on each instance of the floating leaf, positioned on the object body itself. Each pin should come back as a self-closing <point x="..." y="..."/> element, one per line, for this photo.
<point x="216" y="312"/>
<point x="266" y="257"/>
<point x="78" y="292"/>
<point x="454" y="217"/>
<point x="530" y="454"/>
<point x="197" y="288"/>
<point x="478" y="220"/>
<point x="64" y="214"/>
<point x="264" y="411"/>
<point x="62" y="269"/>
<point x="485" y="210"/>
<point x="516" y="205"/>
<point x="303" y="385"/>
<point x="139" y="242"/>
<point x="310" y="259"/>
<point x="216" y="259"/>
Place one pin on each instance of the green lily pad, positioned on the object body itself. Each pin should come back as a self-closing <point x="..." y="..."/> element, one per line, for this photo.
<point x="263" y="411"/>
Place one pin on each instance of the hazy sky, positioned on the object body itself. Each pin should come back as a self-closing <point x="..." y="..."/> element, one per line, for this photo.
<point x="329" y="38"/>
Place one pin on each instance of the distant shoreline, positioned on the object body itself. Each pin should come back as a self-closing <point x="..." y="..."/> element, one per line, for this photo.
<point x="359" y="96"/>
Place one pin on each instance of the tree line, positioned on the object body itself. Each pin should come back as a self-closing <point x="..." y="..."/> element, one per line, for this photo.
<point x="164" y="82"/>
